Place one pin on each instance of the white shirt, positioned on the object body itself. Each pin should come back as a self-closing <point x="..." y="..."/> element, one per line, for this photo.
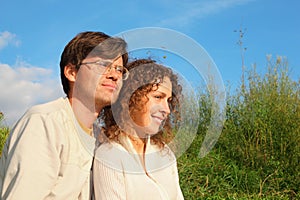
<point x="47" y="156"/>
<point x="119" y="174"/>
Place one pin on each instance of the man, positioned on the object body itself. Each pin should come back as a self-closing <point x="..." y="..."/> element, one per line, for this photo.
<point x="49" y="152"/>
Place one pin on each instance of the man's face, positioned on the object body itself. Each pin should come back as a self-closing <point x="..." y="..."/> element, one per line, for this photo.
<point x="156" y="110"/>
<point x="109" y="85"/>
<point x="97" y="85"/>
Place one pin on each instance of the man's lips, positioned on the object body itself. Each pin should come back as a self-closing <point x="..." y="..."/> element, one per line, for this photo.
<point x="110" y="86"/>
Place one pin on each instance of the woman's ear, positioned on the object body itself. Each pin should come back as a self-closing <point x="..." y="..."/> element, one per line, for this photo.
<point x="70" y="72"/>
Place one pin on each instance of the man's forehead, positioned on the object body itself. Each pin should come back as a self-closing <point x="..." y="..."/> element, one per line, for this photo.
<point x="99" y="57"/>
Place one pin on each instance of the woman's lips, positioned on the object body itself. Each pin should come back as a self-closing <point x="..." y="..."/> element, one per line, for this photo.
<point x="158" y="119"/>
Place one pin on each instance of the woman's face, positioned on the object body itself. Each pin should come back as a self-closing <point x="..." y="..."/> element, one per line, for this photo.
<point x="156" y="109"/>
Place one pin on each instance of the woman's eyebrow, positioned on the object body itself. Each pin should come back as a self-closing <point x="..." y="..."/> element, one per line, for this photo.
<point x="163" y="94"/>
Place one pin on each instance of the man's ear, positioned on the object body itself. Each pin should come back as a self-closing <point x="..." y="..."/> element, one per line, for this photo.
<point x="70" y="72"/>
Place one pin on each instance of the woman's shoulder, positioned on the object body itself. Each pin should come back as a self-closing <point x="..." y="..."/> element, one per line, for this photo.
<point x="109" y="154"/>
<point x="115" y="156"/>
<point x="164" y="151"/>
<point x="106" y="149"/>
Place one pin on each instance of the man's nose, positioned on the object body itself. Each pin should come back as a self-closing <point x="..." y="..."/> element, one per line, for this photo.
<point x="113" y="73"/>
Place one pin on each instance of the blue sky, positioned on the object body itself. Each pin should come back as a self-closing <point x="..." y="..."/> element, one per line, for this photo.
<point x="33" y="34"/>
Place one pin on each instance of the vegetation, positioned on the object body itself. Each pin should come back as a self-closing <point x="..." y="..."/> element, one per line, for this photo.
<point x="257" y="155"/>
<point x="4" y="131"/>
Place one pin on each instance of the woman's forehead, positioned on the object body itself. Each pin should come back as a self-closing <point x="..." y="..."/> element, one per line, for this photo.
<point x="165" y="86"/>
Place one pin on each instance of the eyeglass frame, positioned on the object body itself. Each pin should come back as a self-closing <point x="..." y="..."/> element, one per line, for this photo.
<point x="107" y="68"/>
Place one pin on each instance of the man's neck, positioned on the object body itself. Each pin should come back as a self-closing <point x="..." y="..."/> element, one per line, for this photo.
<point x="85" y="115"/>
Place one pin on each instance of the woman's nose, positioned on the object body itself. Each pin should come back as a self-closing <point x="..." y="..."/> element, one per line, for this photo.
<point x="165" y="107"/>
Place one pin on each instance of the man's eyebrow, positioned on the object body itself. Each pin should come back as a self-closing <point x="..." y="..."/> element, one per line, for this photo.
<point x="113" y="60"/>
<point x="106" y="61"/>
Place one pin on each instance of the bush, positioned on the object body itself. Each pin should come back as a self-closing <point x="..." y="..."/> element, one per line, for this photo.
<point x="257" y="154"/>
<point x="4" y="131"/>
<point x="263" y="128"/>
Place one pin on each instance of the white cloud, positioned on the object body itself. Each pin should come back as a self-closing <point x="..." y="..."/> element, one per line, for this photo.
<point x="7" y="38"/>
<point x="22" y="86"/>
<point x="192" y="10"/>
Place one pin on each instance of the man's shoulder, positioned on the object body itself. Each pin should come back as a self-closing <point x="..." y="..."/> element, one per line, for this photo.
<point x="50" y="106"/>
<point x="52" y="109"/>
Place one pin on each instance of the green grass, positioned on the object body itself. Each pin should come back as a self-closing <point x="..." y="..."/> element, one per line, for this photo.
<point x="218" y="177"/>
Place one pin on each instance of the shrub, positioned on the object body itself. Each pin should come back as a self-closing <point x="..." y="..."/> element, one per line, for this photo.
<point x="4" y="131"/>
<point x="263" y="127"/>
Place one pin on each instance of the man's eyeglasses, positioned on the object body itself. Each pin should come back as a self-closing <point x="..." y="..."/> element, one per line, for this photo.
<point x="105" y="67"/>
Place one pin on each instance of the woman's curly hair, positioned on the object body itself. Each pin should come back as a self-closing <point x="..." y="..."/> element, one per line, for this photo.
<point x="145" y="75"/>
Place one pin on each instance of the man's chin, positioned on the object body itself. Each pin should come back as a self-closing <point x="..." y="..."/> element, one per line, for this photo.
<point x="113" y="100"/>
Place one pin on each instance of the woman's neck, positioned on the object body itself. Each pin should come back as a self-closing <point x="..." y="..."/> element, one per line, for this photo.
<point x="138" y="143"/>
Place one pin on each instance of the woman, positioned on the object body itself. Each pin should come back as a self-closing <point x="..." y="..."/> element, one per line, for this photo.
<point x="134" y="162"/>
